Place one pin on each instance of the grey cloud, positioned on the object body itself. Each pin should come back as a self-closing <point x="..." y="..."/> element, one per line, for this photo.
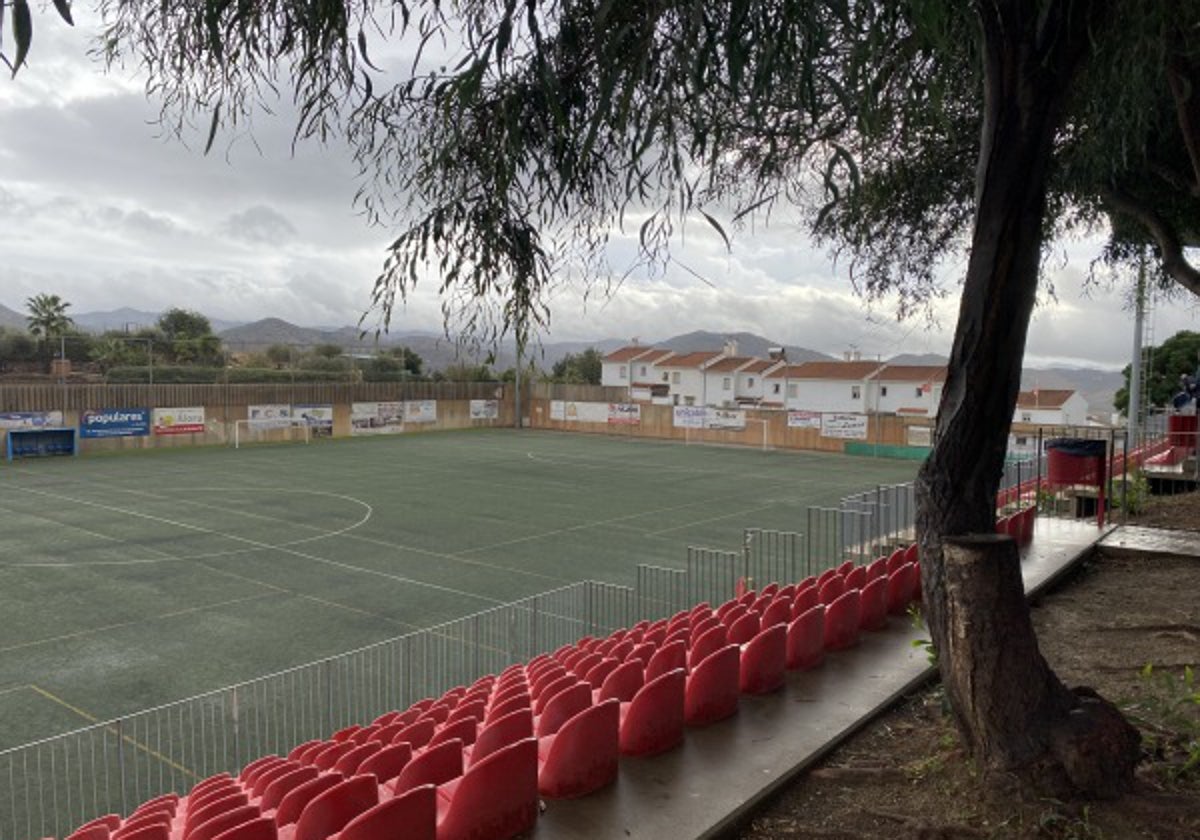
<point x="259" y="225"/>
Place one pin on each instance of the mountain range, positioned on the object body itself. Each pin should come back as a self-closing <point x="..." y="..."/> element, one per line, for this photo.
<point x="438" y="351"/>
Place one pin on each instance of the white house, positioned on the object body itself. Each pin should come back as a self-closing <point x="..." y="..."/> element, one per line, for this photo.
<point x="683" y="373"/>
<point x="722" y="380"/>
<point x="906" y="390"/>
<point x="1045" y="407"/>
<point x="751" y="385"/>
<point x="615" y="367"/>
<point x="823" y="386"/>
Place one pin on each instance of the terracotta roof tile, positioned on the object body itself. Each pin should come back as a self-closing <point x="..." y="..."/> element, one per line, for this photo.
<point x="849" y="371"/>
<point x="1043" y="398"/>
<point x="626" y="354"/>
<point x="729" y="365"/>
<point x="913" y="373"/>
<point x="691" y="360"/>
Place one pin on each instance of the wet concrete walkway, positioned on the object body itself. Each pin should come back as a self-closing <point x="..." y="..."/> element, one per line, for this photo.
<point x="723" y="771"/>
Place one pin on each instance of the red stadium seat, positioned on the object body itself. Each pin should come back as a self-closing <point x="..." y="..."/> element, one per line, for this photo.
<point x="246" y="777"/>
<point x="857" y="578"/>
<point x="596" y="676"/>
<point x="877" y="569"/>
<point x="468" y="709"/>
<point x="745" y="628"/>
<point x="348" y="764"/>
<point x="437" y="765"/>
<point x="845" y="568"/>
<point x="875" y="605"/>
<point x="779" y="611"/>
<point x="711" y="693"/>
<point x="417" y="734"/>
<point x="109" y="821"/>
<point x="293" y="804"/>
<point x="642" y="653"/>
<point x="825" y="577"/>
<point x="666" y="658"/>
<point x="135" y="826"/>
<point x="896" y="559"/>
<point x="547" y="690"/>
<point x="563" y="706"/>
<point x="911" y="553"/>
<point x="222" y="779"/>
<point x="515" y="703"/>
<point x="764" y="660"/>
<point x="806" y="639"/>
<point x="620" y="651"/>
<point x="711" y="640"/>
<point x="154" y="831"/>
<point x="462" y="731"/>
<point x="281" y="786"/>
<point x="345" y="734"/>
<point x="622" y="683"/>
<point x="832" y="589"/>
<point x="806" y="598"/>
<point x="734" y="614"/>
<point x="412" y="816"/>
<point x="582" y="756"/>
<point x="328" y="812"/>
<point x="211" y="808"/>
<point x="262" y="828"/>
<point x="901" y="587"/>
<point x="582" y="666"/>
<point x="495" y="800"/>
<point x="653" y="721"/>
<point x="386" y="764"/>
<point x="702" y="626"/>
<point x="499" y="734"/>
<point x="363" y="735"/>
<point x="326" y="758"/>
<point x="842" y="620"/>
<point x="223" y="822"/>
<point x="95" y="830"/>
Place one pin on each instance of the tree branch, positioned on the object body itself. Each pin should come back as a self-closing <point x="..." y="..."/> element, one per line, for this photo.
<point x="1174" y="263"/>
<point x="1183" y="80"/>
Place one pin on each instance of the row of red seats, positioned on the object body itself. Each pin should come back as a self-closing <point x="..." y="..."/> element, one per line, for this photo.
<point x="1018" y="525"/>
<point x="472" y="763"/>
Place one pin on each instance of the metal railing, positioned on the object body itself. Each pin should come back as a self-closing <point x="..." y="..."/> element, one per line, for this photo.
<point x="49" y="787"/>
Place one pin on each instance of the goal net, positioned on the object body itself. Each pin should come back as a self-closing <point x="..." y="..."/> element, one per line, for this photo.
<point x="252" y="432"/>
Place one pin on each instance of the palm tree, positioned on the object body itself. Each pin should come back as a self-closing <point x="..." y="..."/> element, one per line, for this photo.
<point x="47" y="316"/>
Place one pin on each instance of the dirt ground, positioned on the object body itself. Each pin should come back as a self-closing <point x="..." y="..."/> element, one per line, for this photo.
<point x="906" y="775"/>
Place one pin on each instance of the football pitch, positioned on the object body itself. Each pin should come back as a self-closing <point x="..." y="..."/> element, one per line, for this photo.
<point x="132" y="580"/>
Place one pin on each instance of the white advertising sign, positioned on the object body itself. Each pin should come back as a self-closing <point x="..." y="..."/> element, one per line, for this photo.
<point x="624" y="414"/>
<point x="804" y="419"/>
<point x="688" y="416"/>
<point x="376" y="418"/>
<point x="844" y="426"/>
<point x="726" y="418"/>
<point x="420" y="411"/>
<point x="558" y="410"/>
<point x="485" y="409"/>
<point x="587" y="412"/>
<point x="272" y="416"/>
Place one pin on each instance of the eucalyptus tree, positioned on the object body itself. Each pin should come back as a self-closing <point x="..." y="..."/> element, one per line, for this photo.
<point x="906" y="133"/>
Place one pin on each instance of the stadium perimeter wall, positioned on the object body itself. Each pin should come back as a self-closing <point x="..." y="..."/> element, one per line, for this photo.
<point x="225" y="404"/>
<point x="883" y="434"/>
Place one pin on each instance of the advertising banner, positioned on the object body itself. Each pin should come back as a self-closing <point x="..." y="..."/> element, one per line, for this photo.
<point x="640" y="394"/>
<point x="30" y="419"/>
<point x="485" y="409"/>
<point x="624" y="414"/>
<point x="587" y="412"/>
<point x="558" y="410"/>
<point x="376" y="418"/>
<point x="688" y="416"/>
<point x="114" y="422"/>
<point x="726" y="418"/>
<point x="804" y="419"/>
<point x="179" y="421"/>
<point x="420" y="411"/>
<point x="844" y="426"/>
<point x="271" y="416"/>
<point x="919" y="436"/>
<point x="318" y="418"/>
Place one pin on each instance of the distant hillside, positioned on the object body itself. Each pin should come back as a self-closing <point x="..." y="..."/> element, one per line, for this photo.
<point x="12" y="319"/>
<point x="749" y="344"/>
<point x="127" y="318"/>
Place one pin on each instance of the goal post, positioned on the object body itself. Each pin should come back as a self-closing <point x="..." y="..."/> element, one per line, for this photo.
<point x="253" y="432"/>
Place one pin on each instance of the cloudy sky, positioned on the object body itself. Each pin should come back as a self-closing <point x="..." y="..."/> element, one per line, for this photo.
<point x="97" y="207"/>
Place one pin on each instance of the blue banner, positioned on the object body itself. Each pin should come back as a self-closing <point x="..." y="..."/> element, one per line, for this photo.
<point x="114" y="422"/>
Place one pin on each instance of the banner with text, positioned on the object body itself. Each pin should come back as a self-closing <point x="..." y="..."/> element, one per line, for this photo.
<point x="318" y="418"/>
<point x="420" y="411"/>
<point x="844" y="426"/>
<point x="587" y="412"/>
<point x="179" y="421"/>
<point x="688" y="417"/>
<point x="804" y="419"/>
<point x="726" y="418"/>
<point x="558" y="410"/>
<point x="30" y="419"/>
<point x="485" y="409"/>
<point x="376" y="418"/>
<point x="271" y="416"/>
<point x="114" y="422"/>
<point x="624" y="414"/>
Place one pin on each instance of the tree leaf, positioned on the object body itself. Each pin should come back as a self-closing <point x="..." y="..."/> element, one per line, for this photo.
<point x="64" y="10"/>
<point x="212" y="129"/>
<point x="717" y="225"/>
<point x="362" y="50"/>
<point x="22" y="23"/>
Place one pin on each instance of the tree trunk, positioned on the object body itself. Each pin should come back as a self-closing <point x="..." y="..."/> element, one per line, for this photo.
<point x="1020" y="719"/>
<point x="1030" y="53"/>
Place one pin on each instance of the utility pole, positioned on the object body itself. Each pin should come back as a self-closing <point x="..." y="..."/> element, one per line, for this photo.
<point x="1133" y="411"/>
